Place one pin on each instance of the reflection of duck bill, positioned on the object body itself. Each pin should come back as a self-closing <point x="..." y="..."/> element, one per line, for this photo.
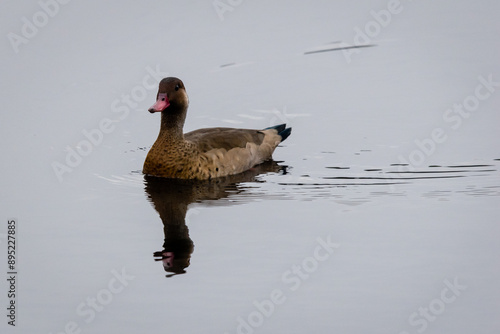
<point x="174" y="262"/>
<point x="168" y="260"/>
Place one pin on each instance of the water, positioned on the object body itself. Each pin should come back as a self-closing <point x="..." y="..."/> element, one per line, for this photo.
<point x="378" y="214"/>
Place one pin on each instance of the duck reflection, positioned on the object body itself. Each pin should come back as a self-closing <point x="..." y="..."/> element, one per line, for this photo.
<point x="171" y="198"/>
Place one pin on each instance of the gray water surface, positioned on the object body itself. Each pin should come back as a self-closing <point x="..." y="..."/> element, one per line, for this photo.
<point x="379" y="214"/>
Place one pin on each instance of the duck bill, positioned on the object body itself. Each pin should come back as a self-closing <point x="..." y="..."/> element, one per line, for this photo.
<point x="161" y="104"/>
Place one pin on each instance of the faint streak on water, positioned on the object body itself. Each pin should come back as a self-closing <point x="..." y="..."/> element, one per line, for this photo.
<point x="341" y="182"/>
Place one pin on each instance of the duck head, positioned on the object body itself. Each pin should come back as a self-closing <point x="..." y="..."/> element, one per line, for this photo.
<point x="171" y="96"/>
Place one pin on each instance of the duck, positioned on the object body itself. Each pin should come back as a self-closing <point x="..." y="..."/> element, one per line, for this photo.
<point x="207" y="153"/>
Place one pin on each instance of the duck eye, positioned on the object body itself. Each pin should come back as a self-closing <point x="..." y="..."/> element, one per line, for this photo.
<point x="177" y="87"/>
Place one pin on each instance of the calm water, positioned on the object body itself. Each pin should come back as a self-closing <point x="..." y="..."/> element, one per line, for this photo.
<point x="379" y="213"/>
<point x="273" y="249"/>
<point x="269" y="250"/>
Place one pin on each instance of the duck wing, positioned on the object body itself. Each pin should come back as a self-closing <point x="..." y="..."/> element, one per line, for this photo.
<point x="224" y="138"/>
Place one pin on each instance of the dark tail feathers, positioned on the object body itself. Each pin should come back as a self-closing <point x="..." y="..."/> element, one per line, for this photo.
<point x="283" y="131"/>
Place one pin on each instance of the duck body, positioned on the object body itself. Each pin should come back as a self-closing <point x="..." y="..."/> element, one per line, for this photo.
<point x="206" y="153"/>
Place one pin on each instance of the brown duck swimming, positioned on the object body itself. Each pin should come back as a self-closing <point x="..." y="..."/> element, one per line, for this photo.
<point x="206" y="153"/>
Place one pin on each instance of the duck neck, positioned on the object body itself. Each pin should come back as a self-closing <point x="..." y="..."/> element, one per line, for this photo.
<point x="172" y="125"/>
